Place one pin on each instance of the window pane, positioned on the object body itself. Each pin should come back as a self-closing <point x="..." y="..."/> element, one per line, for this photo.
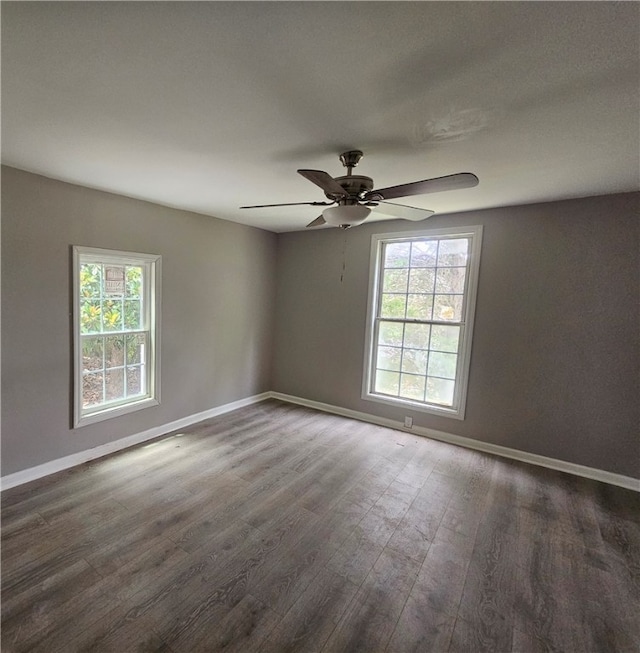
<point x="415" y="361"/>
<point x="416" y="336"/>
<point x="412" y="387"/>
<point x="113" y="351"/>
<point x="447" y="307"/>
<point x="453" y="252"/>
<point x="422" y="280"/>
<point x="450" y="280"/>
<point x="91" y="354"/>
<point x="393" y="305"/>
<point x="133" y="282"/>
<point x="112" y="315"/>
<point x="114" y="385"/>
<point x="396" y="255"/>
<point x="132" y="314"/>
<point x="395" y="281"/>
<point x="423" y="253"/>
<point x="90" y="280"/>
<point x="135" y="348"/>
<point x="419" y="306"/>
<point x="440" y="391"/>
<point x="135" y="385"/>
<point x="92" y="390"/>
<point x="442" y="365"/>
<point x="90" y="316"/>
<point x="445" y="338"/>
<point x="114" y="281"/>
<point x="387" y="382"/>
<point x="390" y="333"/>
<point x="389" y="358"/>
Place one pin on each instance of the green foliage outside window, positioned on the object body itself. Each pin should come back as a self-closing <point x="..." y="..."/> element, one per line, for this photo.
<point x="102" y="312"/>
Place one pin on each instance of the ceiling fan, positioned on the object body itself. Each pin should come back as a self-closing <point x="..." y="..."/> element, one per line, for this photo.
<point x="355" y="197"/>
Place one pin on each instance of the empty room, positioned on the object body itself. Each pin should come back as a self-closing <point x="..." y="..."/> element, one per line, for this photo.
<point x="320" y="327"/>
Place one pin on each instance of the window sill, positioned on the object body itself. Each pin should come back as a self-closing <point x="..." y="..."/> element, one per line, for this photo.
<point x="432" y="409"/>
<point x="114" y="411"/>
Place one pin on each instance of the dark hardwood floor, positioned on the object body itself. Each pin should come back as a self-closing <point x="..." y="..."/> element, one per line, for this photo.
<point x="277" y="528"/>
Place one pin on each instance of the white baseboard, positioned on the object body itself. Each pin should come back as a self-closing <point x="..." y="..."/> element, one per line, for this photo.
<point x="60" y="464"/>
<point x="627" y="482"/>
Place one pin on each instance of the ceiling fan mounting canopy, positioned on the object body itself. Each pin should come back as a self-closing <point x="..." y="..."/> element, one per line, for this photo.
<point x="355" y="195"/>
<point x="351" y="159"/>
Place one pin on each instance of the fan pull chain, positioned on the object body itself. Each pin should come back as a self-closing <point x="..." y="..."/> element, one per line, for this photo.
<point x="344" y="257"/>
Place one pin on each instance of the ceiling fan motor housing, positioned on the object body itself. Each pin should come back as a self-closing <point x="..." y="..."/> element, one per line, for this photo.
<point x="355" y="185"/>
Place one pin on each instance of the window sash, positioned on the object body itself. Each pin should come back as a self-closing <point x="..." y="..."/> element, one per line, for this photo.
<point x="144" y="366"/>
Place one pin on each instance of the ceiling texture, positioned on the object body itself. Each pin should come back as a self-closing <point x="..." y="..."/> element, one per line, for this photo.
<point x="207" y="106"/>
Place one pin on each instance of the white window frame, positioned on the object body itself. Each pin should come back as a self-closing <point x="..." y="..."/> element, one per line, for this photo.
<point x="151" y="264"/>
<point x="457" y="410"/>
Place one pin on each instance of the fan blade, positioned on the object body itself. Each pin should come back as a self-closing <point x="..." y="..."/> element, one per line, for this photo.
<point x="317" y="222"/>
<point x="323" y="179"/>
<point x="266" y="206"/>
<point x="404" y="212"/>
<point x="450" y="182"/>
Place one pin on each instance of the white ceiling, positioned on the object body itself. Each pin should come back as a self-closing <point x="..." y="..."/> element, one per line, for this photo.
<point x="208" y="106"/>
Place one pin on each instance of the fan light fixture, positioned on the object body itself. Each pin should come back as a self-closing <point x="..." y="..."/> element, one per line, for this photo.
<point x="345" y="216"/>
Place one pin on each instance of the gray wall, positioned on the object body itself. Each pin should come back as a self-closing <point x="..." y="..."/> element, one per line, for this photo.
<point x="217" y="311"/>
<point x="555" y="358"/>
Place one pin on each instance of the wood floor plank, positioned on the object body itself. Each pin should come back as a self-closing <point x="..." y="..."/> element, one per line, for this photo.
<point x="304" y="560"/>
<point x="279" y="528"/>
<point x="21" y="528"/>
<point x="242" y="629"/>
<point x="420" y="628"/>
<point x="528" y="642"/>
<point x="28" y="608"/>
<point x="187" y="614"/>
<point x="51" y="629"/>
<point x="617" y="513"/>
<point x="202" y="593"/>
<point x="370" y="619"/>
<point x="359" y="552"/>
<point x="464" y="512"/>
<point x="110" y="554"/>
<point x="487" y="599"/>
<point x="369" y="488"/>
<point x="417" y="529"/>
<point x="422" y="464"/>
<point x="312" y="618"/>
<point x="591" y="597"/>
<point x="178" y="586"/>
<point x="440" y="581"/>
<point x="113" y="632"/>
<point x="225" y="509"/>
<point x="489" y="590"/>
<point x="21" y="534"/>
<point x="144" y="570"/>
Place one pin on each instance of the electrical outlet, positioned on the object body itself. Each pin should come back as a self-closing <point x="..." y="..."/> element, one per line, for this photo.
<point x="408" y="422"/>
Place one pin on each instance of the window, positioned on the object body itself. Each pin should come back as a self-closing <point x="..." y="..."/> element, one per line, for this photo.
<point x="116" y="334"/>
<point x="421" y="307"/>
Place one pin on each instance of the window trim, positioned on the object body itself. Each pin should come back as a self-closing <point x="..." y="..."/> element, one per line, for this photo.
<point x="153" y="262"/>
<point x="457" y="411"/>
